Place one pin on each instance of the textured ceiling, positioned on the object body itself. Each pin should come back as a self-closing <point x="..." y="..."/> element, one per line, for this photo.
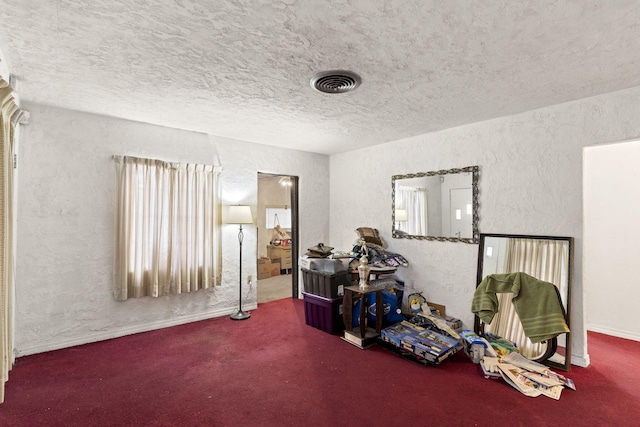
<point x="241" y="68"/>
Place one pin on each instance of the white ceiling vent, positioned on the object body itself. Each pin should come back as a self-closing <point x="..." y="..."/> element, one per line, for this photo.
<point x="335" y="81"/>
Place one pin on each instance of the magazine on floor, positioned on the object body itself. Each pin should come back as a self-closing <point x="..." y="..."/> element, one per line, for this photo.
<point x="530" y="383"/>
<point x="519" y="360"/>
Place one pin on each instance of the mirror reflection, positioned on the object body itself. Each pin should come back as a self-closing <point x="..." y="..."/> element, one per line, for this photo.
<point x="544" y="259"/>
<point x="439" y="205"/>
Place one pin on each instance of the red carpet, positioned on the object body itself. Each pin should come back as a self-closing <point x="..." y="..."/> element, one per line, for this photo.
<point x="273" y="370"/>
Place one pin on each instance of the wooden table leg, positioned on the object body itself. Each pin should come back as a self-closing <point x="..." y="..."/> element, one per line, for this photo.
<point x="363" y="315"/>
<point x="347" y="308"/>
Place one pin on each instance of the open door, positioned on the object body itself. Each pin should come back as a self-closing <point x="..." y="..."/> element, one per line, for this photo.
<point x="460" y="212"/>
<point x="277" y="222"/>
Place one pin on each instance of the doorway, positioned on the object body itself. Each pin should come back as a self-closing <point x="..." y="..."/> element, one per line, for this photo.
<point x="277" y="222"/>
<point x="611" y="198"/>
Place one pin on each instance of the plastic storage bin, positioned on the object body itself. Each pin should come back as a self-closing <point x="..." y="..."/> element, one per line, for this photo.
<point x="323" y="313"/>
<point x="326" y="285"/>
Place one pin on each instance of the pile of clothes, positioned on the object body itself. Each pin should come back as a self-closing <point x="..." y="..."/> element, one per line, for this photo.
<point x="370" y="243"/>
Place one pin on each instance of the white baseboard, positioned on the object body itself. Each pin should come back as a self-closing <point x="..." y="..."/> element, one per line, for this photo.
<point x="54" y="344"/>
<point x="614" y="332"/>
<point x="583" y="362"/>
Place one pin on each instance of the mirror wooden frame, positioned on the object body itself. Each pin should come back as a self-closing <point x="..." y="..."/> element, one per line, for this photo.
<point x="479" y="325"/>
<point x="474" y="170"/>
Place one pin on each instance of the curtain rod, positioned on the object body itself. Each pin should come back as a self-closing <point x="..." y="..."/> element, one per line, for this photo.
<point x="119" y="156"/>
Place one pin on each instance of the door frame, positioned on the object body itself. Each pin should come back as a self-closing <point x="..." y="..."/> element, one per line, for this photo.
<point x="295" y="229"/>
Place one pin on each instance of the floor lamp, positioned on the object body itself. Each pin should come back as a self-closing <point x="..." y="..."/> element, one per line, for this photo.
<point x="240" y="214"/>
<point x="401" y="216"/>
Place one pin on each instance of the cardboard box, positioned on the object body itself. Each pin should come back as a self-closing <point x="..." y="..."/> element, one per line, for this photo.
<point x="455" y="324"/>
<point x="473" y="345"/>
<point x="440" y="308"/>
<point x="304" y="262"/>
<point x="424" y="345"/>
<point x="275" y="268"/>
<point x="264" y="268"/>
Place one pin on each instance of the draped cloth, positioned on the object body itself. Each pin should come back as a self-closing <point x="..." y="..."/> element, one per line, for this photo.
<point x="537" y="303"/>
<point x="9" y="115"/>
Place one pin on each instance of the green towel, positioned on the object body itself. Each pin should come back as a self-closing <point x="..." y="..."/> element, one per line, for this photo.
<point x="537" y="303"/>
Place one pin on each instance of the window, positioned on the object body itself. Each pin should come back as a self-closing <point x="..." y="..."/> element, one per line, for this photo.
<point x="278" y="216"/>
<point x="167" y="228"/>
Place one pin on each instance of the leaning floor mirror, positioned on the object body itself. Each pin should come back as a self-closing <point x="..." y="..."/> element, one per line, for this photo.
<point x="545" y="258"/>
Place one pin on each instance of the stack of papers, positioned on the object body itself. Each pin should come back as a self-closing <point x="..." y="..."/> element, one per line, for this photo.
<point x="530" y="378"/>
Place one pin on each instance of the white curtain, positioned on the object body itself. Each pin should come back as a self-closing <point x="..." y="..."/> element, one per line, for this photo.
<point x="414" y="201"/>
<point x="547" y="260"/>
<point x="168" y="223"/>
<point x="9" y="117"/>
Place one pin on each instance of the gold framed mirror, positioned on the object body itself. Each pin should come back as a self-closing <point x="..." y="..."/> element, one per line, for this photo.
<point x="546" y="259"/>
<point x="438" y="205"/>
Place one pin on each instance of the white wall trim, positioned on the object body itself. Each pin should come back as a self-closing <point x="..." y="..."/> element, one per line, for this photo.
<point x="583" y="362"/>
<point x="614" y="332"/>
<point x="51" y="345"/>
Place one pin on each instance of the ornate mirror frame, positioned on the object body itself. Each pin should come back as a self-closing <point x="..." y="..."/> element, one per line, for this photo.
<point x="474" y="238"/>
<point x="558" y="354"/>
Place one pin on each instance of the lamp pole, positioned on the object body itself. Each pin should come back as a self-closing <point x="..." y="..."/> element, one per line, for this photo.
<point x="240" y="315"/>
<point x="240" y="214"/>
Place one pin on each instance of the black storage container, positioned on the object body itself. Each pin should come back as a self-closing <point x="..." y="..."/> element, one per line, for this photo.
<point x="328" y="285"/>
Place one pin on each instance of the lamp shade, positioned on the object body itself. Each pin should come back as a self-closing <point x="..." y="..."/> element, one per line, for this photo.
<point x="401" y="215"/>
<point x="239" y="214"/>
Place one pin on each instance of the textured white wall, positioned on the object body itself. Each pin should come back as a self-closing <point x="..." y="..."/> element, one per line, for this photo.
<point x="611" y="235"/>
<point x="530" y="183"/>
<point x="4" y="67"/>
<point x="66" y="224"/>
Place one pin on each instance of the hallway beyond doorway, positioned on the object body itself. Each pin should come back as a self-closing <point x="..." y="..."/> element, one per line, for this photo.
<point x="274" y="288"/>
